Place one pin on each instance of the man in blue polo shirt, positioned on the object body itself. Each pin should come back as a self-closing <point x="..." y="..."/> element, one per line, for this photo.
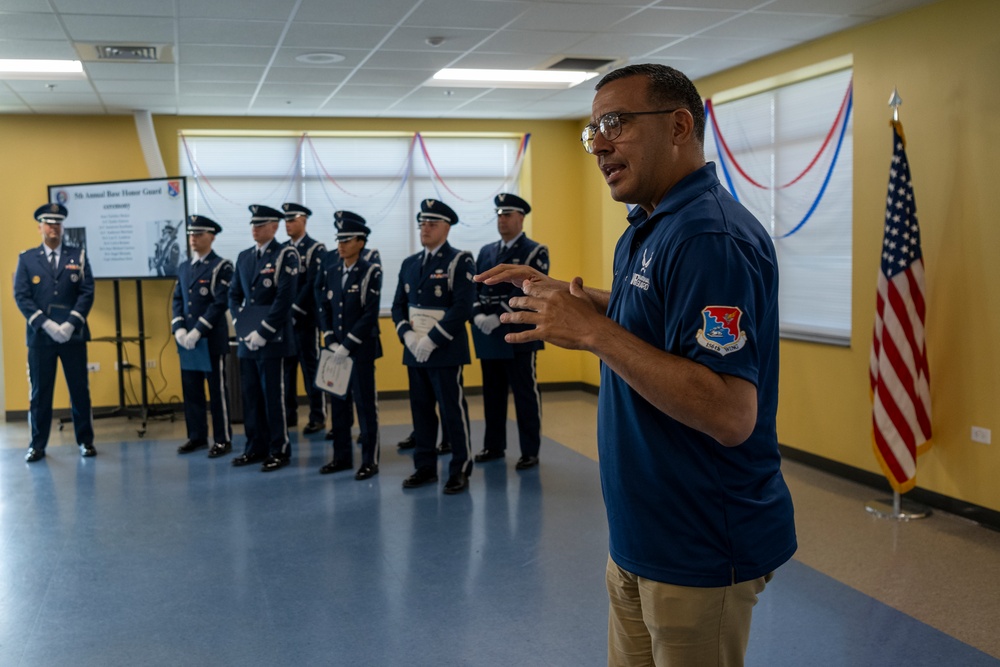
<point x="698" y="511"/>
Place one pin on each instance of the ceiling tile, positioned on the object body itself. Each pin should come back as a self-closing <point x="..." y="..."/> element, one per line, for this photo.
<point x="382" y="12"/>
<point x="114" y="7"/>
<point x="553" y="16"/>
<point x="247" y="10"/>
<point x="234" y="32"/>
<point x="456" y="40"/>
<point x="217" y="54"/>
<point x="131" y="71"/>
<point x="223" y="73"/>
<point x="118" y="29"/>
<point x="42" y="49"/>
<point x="531" y="41"/>
<point x="163" y="86"/>
<point x="466" y="13"/>
<point x="30" y="26"/>
<point x="330" y="37"/>
<point x="657" y="21"/>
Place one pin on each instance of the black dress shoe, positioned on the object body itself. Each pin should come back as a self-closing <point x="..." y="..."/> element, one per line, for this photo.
<point x="192" y="446"/>
<point x="292" y="421"/>
<point x="312" y="427"/>
<point x="407" y="443"/>
<point x="444" y="447"/>
<point x="273" y="463"/>
<point x="34" y="455"/>
<point x="247" y="459"/>
<point x="420" y="477"/>
<point x="456" y="483"/>
<point x="526" y="462"/>
<point x="220" y="449"/>
<point x="364" y="472"/>
<point x="329" y="435"/>
<point x="489" y="455"/>
<point x="87" y="451"/>
<point x="336" y="465"/>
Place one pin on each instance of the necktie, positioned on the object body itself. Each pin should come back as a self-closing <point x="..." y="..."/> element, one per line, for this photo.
<point x="52" y="261"/>
<point x="343" y="280"/>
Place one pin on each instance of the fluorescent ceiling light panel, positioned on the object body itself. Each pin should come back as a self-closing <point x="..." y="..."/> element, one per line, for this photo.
<point x="41" y="69"/>
<point x="508" y="78"/>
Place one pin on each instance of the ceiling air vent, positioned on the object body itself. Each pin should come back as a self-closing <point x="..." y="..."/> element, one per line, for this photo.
<point x="139" y="53"/>
<point x="125" y="53"/>
<point x="586" y="64"/>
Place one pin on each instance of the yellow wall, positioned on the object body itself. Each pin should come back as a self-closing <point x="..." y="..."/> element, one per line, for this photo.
<point x="943" y="59"/>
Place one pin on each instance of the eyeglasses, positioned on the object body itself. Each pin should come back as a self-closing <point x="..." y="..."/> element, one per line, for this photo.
<point x="610" y="126"/>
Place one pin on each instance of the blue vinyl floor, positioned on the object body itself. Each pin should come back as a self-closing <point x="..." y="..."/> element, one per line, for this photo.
<point x="145" y="557"/>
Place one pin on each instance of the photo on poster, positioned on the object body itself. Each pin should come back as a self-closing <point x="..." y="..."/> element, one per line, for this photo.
<point x="130" y="229"/>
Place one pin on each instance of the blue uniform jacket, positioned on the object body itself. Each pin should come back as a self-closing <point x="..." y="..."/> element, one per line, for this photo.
<point x="268" y="285"/>
<point x="445" y="284"/>
<point x="349" y="315"/>
<point x="64" y="297"/>
<point x="495" y="299"/>
<point x="201" y="297"/>
<point x="311" y="254"/>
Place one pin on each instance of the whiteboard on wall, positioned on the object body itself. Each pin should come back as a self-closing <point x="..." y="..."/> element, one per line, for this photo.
<point x="129" y="229"/>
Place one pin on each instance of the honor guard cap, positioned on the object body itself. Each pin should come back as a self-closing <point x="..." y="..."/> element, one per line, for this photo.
<point x="506" y="202"/>
<point x="261" y="215"/>
<point x="432" y="210"/>
<point x="53" y="214"/>
<point x="199" y="224"/>
<point x="350" y="225"/>
<point x="294" y="210"/>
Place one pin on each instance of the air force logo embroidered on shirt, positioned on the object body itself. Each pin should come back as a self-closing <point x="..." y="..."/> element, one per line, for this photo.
<point x="721" y="332"/>
<point x="639" y="279"/>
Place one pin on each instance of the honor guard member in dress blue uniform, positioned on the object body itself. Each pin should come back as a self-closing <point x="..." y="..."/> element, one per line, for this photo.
<point x="307" y="343"/>
<point x="260" y="300"/>
<point x="54" y="289"/>
<point x="201" y="298"/>
<point x="505" y="365"/>
<point x="348" y="294"/>
<point x="433" y="300"/>
<point x="372" y="256"/>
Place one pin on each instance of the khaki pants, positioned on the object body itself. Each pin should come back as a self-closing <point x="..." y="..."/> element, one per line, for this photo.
<point x="652" y="623"/>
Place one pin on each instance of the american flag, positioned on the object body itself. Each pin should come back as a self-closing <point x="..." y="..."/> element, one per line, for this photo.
<point x="900" y="381"/>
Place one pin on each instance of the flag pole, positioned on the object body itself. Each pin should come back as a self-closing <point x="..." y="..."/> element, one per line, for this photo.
<point x="896" y="510"/>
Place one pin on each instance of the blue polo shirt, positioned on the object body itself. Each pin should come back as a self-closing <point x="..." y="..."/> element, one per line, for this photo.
<point x="699" y="279"/>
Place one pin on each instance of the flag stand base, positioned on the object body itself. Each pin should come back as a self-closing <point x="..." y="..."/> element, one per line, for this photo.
<point x="897" y="509"/>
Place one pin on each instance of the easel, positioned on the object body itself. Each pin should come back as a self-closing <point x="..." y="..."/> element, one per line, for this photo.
<point x="142" y="410"/>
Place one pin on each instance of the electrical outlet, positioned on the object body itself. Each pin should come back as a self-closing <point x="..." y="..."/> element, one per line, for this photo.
<point x="150" y="363"/>
<point x="93" y="366"/>
<point x="980" y="434"/>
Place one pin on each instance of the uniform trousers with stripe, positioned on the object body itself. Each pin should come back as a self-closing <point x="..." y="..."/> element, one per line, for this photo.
<point x="307" y="356"/>
<point x="362" y="394"/>
<point x="42" y="379"/>
<point x="195" y="408"/>
<point x="442" y="385"/>
<point x="263" y="384"/>
<point x="518" y="375"/>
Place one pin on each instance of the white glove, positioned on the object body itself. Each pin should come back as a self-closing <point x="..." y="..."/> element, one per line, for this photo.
<point x="67" y="328"/>
<point x="54" y="332"/>
<point x="410" y="339"/>
<point x="179" y="336"/>
<point x="340" y="353"/>
<point x="424" y="349"/>
<point x="486" y="323"/>
<point x="191" y="339"/>
<point x="255" y="341"/>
